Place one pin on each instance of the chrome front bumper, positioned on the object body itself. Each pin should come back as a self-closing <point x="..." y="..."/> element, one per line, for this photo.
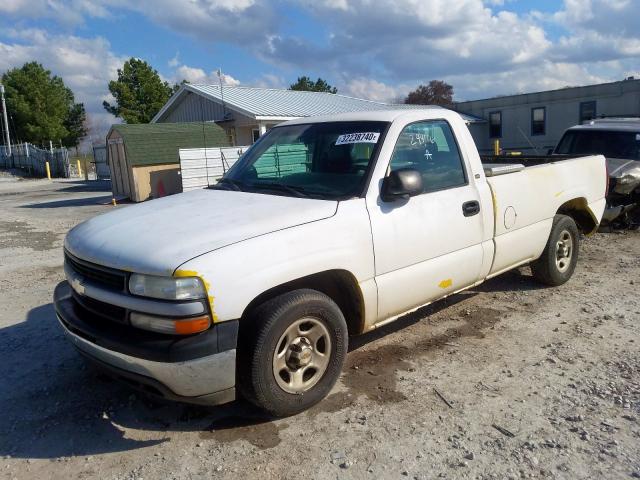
<point x="207" y="380"/>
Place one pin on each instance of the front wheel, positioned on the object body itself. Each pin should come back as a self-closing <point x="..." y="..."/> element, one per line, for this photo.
<point x="291" y="352"/>
<point x="558" y="260"/>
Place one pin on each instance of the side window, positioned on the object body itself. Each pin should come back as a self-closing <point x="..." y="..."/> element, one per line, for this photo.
<point x="430" y="148"/>
<point x="538" y="121"/>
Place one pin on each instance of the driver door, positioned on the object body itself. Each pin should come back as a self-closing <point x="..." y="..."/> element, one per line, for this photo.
<point x="426" y="246"/>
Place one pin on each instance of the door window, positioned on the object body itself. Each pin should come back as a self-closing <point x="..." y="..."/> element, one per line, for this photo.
<point x="430" y="148"/>
<point x="587" y="111"/>
<point x="538" y="120"/>
<point x="495" y="125"/>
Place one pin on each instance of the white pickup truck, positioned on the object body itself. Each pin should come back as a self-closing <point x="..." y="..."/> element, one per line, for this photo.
<point x="327" y="227"/>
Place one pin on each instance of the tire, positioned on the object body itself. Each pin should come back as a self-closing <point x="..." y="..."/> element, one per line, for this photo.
<point x="560" y="256"/>
<point x="276" y="340"/>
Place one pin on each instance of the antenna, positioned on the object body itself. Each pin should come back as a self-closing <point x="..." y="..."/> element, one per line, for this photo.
<point x="204" y="142"/>
<point x="224" y="108"/>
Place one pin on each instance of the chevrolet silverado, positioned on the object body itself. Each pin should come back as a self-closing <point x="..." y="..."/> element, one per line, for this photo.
<point x="327" y="227"/>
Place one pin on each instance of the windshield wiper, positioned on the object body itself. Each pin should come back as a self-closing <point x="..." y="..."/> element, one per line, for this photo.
<point x="297" y="191"/>
<point x="232" y="183"/>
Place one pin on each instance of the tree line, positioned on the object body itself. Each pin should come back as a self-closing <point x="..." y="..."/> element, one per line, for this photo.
<point x="42" y="108"/>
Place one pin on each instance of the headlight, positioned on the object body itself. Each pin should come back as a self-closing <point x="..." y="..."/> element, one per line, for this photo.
<point x="167" y="288"/>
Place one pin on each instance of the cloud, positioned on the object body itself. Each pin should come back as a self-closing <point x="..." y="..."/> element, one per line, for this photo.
<point x="372" y="89"/>
<point x="378" y="50"/>
<point x="198" y="75"/>
<point x="598" y="30"/>
<point x="411" y="39"/>
<point x="270" y="80"/>
<point x="86" y="65"/>
<point x="480" y="47"/>
<point x="175" y="61"/>
<point x="235" y="21"/>
<point x="546" y="76"/>
<point x="65" y="12"/>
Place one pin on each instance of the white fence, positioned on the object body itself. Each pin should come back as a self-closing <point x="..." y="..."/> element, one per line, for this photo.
<point x="201" y="167"/>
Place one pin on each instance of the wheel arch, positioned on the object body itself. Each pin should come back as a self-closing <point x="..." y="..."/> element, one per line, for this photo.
<point x="578" y="209"/>
<point x="339" y="285"/>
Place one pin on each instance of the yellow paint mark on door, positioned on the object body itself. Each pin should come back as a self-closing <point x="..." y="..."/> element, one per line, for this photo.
<point x="445" y="283"/>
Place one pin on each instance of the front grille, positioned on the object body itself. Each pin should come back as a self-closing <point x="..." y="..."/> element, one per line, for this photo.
<point x="102" y="309"/>
<point x="106" y="277"/>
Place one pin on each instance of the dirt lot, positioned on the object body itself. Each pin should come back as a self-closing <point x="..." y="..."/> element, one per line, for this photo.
<point x="541" y="383"/>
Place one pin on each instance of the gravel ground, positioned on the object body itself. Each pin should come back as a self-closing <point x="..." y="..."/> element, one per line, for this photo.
<point x="510" y="380"/>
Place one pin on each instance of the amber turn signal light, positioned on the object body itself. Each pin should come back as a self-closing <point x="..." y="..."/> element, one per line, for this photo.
<point x="171" y="326"/>
<point x="192" y="325"/>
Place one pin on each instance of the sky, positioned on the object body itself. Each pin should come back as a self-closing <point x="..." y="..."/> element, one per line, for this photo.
<point x="375" y="49"/>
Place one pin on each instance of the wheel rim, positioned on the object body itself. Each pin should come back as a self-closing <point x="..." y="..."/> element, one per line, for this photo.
<point x="302" y="355"/>
<point x="564" y="251"/>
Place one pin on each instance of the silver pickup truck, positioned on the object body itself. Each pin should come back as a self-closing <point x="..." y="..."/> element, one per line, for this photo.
<point x="618" y="139"/>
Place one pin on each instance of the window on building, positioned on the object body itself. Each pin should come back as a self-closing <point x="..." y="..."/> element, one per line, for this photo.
<point x="495" y="124"/>
<point x="231" y="135"/>
<point x="430" y="148"/>
<point x="255" y="135"/>
<point x="538" y="120"/>
<point x="587" y="111"/>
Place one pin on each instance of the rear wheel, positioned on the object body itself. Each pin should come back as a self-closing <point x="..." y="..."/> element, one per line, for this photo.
<point x="291" y="352"/>
<point x="558" y="260"/>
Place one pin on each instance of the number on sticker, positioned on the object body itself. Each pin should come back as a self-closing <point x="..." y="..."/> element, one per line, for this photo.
<point x="364" y="137"/>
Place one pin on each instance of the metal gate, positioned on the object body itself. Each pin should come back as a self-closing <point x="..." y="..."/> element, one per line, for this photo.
<point x="100" y="162"/>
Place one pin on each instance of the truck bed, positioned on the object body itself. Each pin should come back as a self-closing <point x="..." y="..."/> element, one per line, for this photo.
<point x="528" y="191"/>
<point x="526" y="160"/>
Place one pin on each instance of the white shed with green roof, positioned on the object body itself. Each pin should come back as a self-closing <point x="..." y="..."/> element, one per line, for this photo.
<point x="144" y="158"/>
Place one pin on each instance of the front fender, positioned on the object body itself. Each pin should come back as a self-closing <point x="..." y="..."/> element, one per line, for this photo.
<point x="237" y="274"/>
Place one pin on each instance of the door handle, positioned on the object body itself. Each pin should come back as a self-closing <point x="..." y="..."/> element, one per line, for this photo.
<point x="471" y="208"/>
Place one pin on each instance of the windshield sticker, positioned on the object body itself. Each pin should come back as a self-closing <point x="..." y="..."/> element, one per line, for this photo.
<point x="365" y="137"/>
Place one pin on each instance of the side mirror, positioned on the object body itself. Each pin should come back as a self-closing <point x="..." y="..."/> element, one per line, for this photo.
<point x="401" y="184"/>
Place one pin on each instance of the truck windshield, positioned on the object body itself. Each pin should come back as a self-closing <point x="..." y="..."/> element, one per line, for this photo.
<point x="317" y="160"/>
<point x="611" y="144"/>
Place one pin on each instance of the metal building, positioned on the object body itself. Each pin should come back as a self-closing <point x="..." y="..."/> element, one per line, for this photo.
<point x="534" y="122"/>
<point x="247" y="112"/>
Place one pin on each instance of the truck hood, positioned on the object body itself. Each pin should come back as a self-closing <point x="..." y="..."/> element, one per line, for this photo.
<point x="158" y="236"/>
<point x="618" y="167"/>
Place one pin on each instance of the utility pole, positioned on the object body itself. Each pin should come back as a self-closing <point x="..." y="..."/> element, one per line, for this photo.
<point x="6" y="121"/>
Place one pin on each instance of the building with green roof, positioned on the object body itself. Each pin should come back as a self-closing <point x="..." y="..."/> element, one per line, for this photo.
<point x="144" y="158"/>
